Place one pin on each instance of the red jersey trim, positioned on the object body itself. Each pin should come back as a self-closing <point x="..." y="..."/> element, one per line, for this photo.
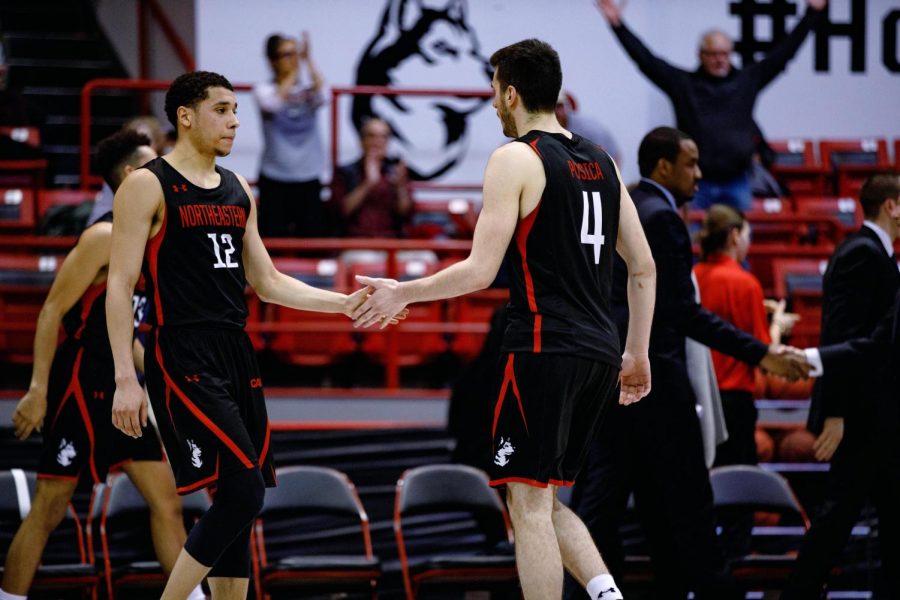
<point x="509" y="379"/>
<point x="75" y="390"/>
<point x="198" y="413"/>
<point x="54" y="476"/>
<point x="87" y="303"/>
<point x="153" y="246"/>
<point x="533" y="144"/>
<point x="523" y="230"/>
<point x="531" y="482"/>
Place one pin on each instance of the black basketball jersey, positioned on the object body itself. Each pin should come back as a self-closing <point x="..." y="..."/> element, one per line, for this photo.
<point x="193" y="265"/>
<point x="560" y="259"/>
<point x="85" y="322"/>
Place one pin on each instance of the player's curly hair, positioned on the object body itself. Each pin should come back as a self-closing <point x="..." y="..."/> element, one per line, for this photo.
<point x="116" y="151"/>
<point x="189" y="90"/>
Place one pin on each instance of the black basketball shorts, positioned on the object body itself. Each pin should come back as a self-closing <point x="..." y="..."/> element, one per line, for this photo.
<point x="207" y="396"/>
<point x="78" y="432"/>
<point x="547" y="410"/>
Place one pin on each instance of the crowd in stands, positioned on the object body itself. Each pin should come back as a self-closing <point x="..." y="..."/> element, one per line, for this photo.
<point x="755" y="241"/>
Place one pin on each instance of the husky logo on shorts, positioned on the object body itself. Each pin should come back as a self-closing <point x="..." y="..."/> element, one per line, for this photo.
<point x="66" y="453"/>
<point x="506" y="448"/>
<point x="195" y="454"/>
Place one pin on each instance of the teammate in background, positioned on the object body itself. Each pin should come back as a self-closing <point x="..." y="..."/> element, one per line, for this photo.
<point x="199" y="227"/>
<point x="76" y="391"/>
<point x="555" y="206"/>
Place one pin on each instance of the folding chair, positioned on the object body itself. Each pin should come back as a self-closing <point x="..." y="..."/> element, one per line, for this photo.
<point x="65" y="565"/>
<point x="129" y="562"/>
<point x="452" y="532"/>
<point x="312" y="536"/>
<point x="739" y="489"/>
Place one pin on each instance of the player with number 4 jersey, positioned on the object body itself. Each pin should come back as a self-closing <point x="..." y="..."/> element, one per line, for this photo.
<point x="555" y="207"/>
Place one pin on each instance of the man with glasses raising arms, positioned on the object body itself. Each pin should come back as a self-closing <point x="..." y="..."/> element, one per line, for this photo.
<point x="714" y="104"/>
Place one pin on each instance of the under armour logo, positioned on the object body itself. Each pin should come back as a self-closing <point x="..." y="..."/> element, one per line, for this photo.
<point x="192" y="378"/>
<point x="611" y="591"/>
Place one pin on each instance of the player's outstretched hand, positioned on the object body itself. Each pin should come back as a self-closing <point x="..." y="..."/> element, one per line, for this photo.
<point x="634" y="379"/>
<point x="129" y="410"/>
<point x="29" y="414"/>
<point x="384" y="305"/>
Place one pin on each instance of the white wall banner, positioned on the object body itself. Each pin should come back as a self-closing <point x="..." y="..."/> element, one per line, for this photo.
<point x="843" y="82"/>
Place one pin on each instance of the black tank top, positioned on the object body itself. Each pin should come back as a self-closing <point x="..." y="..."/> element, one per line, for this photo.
<point x="193" y="265"/>
<point x="560" y="259"/>
<point x="85" y="322"/>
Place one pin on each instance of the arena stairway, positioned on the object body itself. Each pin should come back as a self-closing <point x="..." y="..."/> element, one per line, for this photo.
<point x="53" y="48"/>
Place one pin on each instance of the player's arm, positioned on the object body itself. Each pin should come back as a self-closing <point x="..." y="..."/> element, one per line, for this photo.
<point x="78" y="271"/>
<point x="275" y="287"/>
<point x="510" y="171"/>
<point x="632" y="246"/>
<point x="137" y="202"/>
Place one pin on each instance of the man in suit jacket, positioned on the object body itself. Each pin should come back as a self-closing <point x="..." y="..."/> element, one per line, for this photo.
<point x="654" y="449"/>
<point x="859" y="287"/>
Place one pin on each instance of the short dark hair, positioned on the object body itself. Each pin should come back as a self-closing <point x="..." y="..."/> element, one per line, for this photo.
<point x="117" y="151"/>
<point x="532" y="67"/>
<point x="272" y="44"/>
<point x="876" y="190"/>
<point x="662" y="142"/>
<point x="720" y="220"/>
<point x="190" y="89"/>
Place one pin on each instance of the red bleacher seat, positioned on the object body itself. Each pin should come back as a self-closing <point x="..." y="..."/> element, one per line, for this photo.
<point x="24" y="135"/>
<point x="845" y="210"/>
<point x="476" y="308"/>
<point x="852" y="161"/>
<point x="442" y="219"/>
<point x="413" y="348"/>
<point x="781" y="225"/>
<point x="24" y="283"/>
<point x="800" y="281"/>
<point x="762" y="256"/>
<point x="17" y="210"/>
<point x="796" y="166"/>
<point x="312" y="348"/>
<point x="54" y="197"/>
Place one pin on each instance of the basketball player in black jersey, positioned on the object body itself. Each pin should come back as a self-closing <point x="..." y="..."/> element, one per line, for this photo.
<point x="193" y="226"/>
<point x="554" y="205"/>
<point x="70" y="401"/>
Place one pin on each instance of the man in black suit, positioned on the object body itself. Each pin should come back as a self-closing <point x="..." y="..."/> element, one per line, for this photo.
<point x="859" y="288"/>
<point x="654" y="449"/>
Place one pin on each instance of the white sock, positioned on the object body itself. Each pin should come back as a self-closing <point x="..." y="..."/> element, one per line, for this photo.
<point x="602" y="587"/>
<point x="197" y="594"/>
<point x="8" y="596"/>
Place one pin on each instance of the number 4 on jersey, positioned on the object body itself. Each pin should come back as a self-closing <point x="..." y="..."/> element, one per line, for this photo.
<point x="596" y="238"/>
<point x="228" y="263"/>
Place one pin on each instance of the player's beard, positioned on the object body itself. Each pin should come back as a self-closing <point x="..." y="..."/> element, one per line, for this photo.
<point x="506" y="121"/>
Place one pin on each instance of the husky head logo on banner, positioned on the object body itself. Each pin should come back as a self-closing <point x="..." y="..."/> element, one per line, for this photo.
<point x="424" y="44"/>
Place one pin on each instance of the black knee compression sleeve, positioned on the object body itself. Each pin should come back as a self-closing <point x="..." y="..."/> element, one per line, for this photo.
<point x="237" y="501"/>
<point x="235" y="561"/>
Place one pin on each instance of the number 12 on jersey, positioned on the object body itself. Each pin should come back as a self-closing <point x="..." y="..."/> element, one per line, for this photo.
<point x="228" y="248"/>
<point x="596" y="238"/>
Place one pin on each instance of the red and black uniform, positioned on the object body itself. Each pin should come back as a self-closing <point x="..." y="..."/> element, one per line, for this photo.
<point x="79" y="435"/>
<point x="201" y="371"/>
<point x="560" y="349"/>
